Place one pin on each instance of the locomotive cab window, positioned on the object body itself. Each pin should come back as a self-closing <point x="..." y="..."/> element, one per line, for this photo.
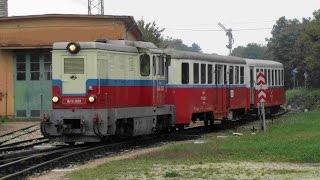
<point x="154" y="66"/>
<point x="145" y="65"/>
<point x="185" y="73"/>
<point x="196" y="73"/>
<point x="73" y="66"/>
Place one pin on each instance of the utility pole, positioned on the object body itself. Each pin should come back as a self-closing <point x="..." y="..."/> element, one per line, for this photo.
<point x="230" y="36"/>
<point x="95" y="7"/>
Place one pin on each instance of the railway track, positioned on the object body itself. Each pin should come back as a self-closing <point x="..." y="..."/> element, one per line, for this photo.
<point x="22" y="144"/>
<point x="13" y="167"/>
<point x="18" y="133"/>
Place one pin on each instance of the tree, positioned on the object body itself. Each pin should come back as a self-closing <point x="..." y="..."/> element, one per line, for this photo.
<point x="308" y="49"/>
<point x="150" y="31"/>
<point x="251" y="51"/>
<point x="282" y="46"/>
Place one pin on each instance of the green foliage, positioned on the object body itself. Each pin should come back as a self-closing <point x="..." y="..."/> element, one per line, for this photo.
<point x="299" y="98"/>
<point x="152" y="33"/>
<point x="251" y="51"/>
<point x="309" y="48"/>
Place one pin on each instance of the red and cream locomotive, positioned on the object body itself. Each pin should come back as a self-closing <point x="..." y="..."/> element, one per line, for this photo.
<point x="132" y="88"/>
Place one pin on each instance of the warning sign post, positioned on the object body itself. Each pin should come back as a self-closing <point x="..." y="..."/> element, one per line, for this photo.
<point x="261" y="87"/>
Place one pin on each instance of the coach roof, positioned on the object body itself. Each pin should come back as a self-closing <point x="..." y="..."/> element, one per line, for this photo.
<point x="184" y="55"/>
<point x="263" y="63"/>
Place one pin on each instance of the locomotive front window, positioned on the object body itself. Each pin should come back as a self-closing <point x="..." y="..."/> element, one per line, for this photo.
<point x="161" y="66"/>
<point x="145" y="65"/>
<point x="73" y="66"/>
<point x="236" y="75"/>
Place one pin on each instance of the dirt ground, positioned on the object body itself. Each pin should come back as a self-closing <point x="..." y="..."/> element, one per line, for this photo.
<point x="15" y="125"/>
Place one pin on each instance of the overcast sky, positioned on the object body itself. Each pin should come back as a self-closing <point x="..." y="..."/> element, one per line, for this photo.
<point x="189" y="20"/>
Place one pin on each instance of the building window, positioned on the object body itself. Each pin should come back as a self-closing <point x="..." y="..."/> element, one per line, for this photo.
<point x="145" y="65"/>
<point x="35" y="67"/>
<point x="48" y="66"/>
<point x="185" y="73"/>
<point x="203" y="73"/>
<point x="231" y="75"/>
<point x="210" y="73"/>
<point x="21" y="67"/>
<point x="241" y="75"/>
<point x="196" y="73"/>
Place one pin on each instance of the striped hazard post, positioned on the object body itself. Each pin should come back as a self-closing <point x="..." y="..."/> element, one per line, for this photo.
<point x="261" y="87"/>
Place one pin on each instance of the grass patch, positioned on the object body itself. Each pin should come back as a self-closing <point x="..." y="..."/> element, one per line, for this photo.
<point x="304" y="99"/>
<point x="293" y="138"/>
<point x="171" y="174"/>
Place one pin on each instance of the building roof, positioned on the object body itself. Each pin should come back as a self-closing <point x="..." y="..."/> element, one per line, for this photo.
<point x="128" y="21"/>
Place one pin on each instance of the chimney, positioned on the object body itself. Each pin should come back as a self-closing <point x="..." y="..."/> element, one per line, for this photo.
<point x="3" y="8"/>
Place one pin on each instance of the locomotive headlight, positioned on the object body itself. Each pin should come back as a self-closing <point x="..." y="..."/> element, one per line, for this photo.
<point x="92" y="99"/>
<point x="73" y="48"/>
<point x="55" y="99"/>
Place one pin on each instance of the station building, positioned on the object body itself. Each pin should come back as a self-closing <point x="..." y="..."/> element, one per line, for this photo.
<point x="25" y="54"/>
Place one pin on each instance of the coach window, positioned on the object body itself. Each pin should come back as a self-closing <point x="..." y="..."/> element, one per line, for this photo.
<point x="266" y="75"/>
<point x="236" y="75"/>
<point x="196" y="73"/>
<point x="276" y="77"/>
<point x="185" y="73"/>
<point x="279" y="72"/>
<point x="145" y="65"/>
<point x="219" y="74"/>
<point x="231" y="75"/>
<point x="269" y="78"/>
<point x="282" y="72"/>
<point x="225" y="74"/>
<point x="210" y="79"/>
<point x="273" y="80"/>
<point x="154" y="66"/>
<point x="242" y="75"/>
<point x="203" y="73"/>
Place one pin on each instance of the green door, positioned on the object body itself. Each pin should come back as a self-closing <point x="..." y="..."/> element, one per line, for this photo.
<point x="32" y="85"/>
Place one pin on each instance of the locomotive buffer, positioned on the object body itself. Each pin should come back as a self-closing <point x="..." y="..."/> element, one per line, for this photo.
<point x="262" y="96"/>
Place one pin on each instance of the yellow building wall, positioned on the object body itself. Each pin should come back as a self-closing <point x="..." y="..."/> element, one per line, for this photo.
<point x="6" y="83"/>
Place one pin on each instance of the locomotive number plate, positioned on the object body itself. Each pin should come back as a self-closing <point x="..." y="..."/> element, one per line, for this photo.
<point x="74" y="101"/>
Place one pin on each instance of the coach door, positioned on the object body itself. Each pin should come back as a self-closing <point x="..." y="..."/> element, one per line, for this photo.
<point x="221" y="90"/>
<point x="252" y="88"/>
<point x="158" y="72"/>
